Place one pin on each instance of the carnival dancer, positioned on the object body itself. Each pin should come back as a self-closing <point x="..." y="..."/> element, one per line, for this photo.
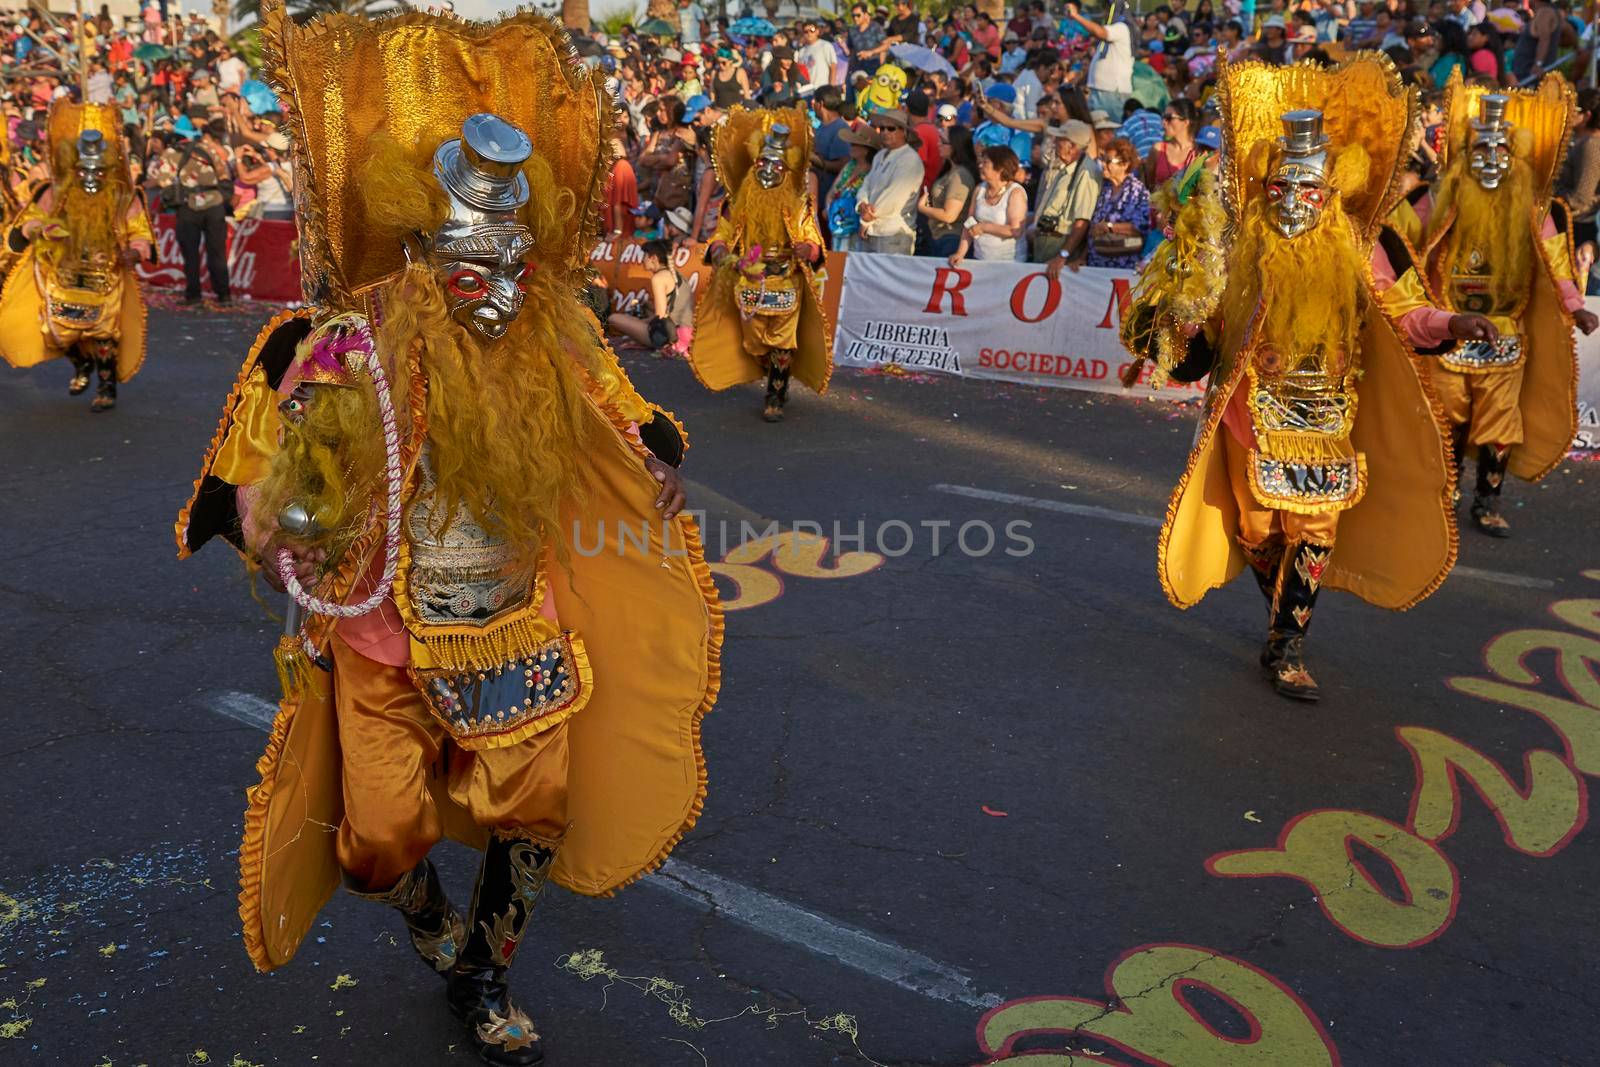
<point x="1499" y="243"/>
<point x="72" y="291"/>
<point x="762" y="317"/>
<point x="1317" y="419"/>
<point x="475" y="510"/>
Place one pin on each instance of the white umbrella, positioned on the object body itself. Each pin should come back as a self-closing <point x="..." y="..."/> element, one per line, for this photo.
<point x="921" y="58"/>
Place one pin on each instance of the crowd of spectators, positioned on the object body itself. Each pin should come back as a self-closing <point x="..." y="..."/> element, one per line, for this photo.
<point x="1041" y="136"/>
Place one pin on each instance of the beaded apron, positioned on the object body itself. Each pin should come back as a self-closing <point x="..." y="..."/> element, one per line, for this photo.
<point x="493" y="668"/>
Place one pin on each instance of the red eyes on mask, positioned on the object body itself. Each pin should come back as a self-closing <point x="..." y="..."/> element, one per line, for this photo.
<point x="470" y="284"/>
<point x="1312" y="195"/>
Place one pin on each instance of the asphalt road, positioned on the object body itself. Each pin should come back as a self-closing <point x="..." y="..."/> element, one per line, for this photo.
<point x="940" y="783"/>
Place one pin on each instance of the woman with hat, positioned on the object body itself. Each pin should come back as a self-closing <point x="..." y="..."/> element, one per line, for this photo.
<point x="844" y="222"/>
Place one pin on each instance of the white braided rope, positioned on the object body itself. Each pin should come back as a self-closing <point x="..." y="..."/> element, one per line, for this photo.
<point x="395" y="478"/>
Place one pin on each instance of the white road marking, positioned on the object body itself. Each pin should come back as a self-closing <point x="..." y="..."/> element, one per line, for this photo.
<point x="1090" y="511"/>
<point x="850" y="946"/>
<point x="1521" y="580"/>
<point x="762" y="912"/>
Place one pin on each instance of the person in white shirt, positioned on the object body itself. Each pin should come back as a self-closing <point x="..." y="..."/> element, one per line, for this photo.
<point x="887" y="202"/>
<point x="99" y="84"/>
<point x="816" y="56"/>
<point x="1030" y="85"/>
<point x="1111" y="69"/>
<point x="231" y="71"/>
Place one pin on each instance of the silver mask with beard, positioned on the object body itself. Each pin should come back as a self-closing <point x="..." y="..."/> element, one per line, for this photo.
<point x="773" y="162"/>
<point x="480" y="250"/>
<point x="1298" y="188"/>
<point x="1489" y="160"/>
<point x="91" y="165"/>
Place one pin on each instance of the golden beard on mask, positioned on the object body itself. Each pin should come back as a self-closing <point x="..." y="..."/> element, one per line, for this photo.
<point x="330" y="462"/>
<point x="506" y="418"/>
<point x="1494" y="223"/>
<point x="762" y="212"/>
<point x="91" y="222"/>
<point x="1310" y="287"/>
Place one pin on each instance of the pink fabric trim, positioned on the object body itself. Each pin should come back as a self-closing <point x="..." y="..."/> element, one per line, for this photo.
<point x="1423" y="208"/>
<point x="1424" y="327"/>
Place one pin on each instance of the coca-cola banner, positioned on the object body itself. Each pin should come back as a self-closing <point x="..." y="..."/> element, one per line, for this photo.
<point x="263" y="261"/>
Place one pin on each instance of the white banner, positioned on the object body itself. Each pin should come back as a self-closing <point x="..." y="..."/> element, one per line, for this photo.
<point x="1005" y="321"/>
<point x="1589" y="387"/>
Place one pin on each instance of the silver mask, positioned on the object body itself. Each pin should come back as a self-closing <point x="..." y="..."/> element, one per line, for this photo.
<point x="1298" y="189"/>
<point x="91" y="166"/>
<point x="480" y="251"/>
<point x="1489" y="158"/>
<point x="773" y="163"/>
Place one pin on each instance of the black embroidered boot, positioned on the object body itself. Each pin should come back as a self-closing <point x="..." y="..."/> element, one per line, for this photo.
<point x="436" y="928"/>
<point x="82" y="370"/>
<point x="105" y="393"/>
<point x="1264" y="560"/>
<point x="1492" y="463"/>
<point x="777" y="385"/>
<point x="1299" y="579"/>
<point x="514" y="870"/>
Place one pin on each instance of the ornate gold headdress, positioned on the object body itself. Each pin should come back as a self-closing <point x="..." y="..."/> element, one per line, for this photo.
<point x="1363" y="102"/>
<point x="1542" y="117"/>
<point x="416" y="77"/>
<point x="68" y="119"/>
<point x="739" y="140"/>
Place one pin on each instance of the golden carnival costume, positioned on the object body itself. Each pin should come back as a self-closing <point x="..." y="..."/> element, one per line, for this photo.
<point x="763" y="316"/>
<point x="1498" y="243"/>
<point x="506" y="642"/>
<point x="1317" y="419"/>
<point x="71" y="290"/>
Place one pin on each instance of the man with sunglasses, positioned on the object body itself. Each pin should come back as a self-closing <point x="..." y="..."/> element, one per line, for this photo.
<point x="865" y="41"/>
<point x="816" y="58"/>
<point x="887" y="202"/>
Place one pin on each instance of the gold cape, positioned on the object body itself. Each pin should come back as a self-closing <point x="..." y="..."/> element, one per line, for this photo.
<point x="1394" y="547"/>
<point x="637" y="774"/>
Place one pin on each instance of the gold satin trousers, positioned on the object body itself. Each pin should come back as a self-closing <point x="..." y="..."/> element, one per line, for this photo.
<point x="1487" y="403"/>
<point x="1259" y="523"/>
<point x="391" y="747"/>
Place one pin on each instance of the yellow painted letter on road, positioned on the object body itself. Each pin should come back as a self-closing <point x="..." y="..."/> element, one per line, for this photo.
<point x="1316" y="848"/>
<point x="1153" y="1014"/>
<point x="1538" y="821"/>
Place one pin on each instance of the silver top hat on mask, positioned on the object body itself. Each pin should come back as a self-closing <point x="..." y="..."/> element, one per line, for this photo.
<point x="1305" y="146"/>
<point x="1489" y="157"/>
<point x="480" y="249"/>
<point x="91" y="165"/>
<point x="773" y="161"/>
<point x="1298" y="189"/>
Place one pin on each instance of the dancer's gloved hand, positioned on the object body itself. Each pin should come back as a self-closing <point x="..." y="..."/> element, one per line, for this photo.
<point x="716" y="252"/>
<point x="308" y="560"/>
<point x="671" y="498"/>
<point x="1586" y="320"/>
<point x="1472" y="327"/>
<point x="806" y="252"/>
